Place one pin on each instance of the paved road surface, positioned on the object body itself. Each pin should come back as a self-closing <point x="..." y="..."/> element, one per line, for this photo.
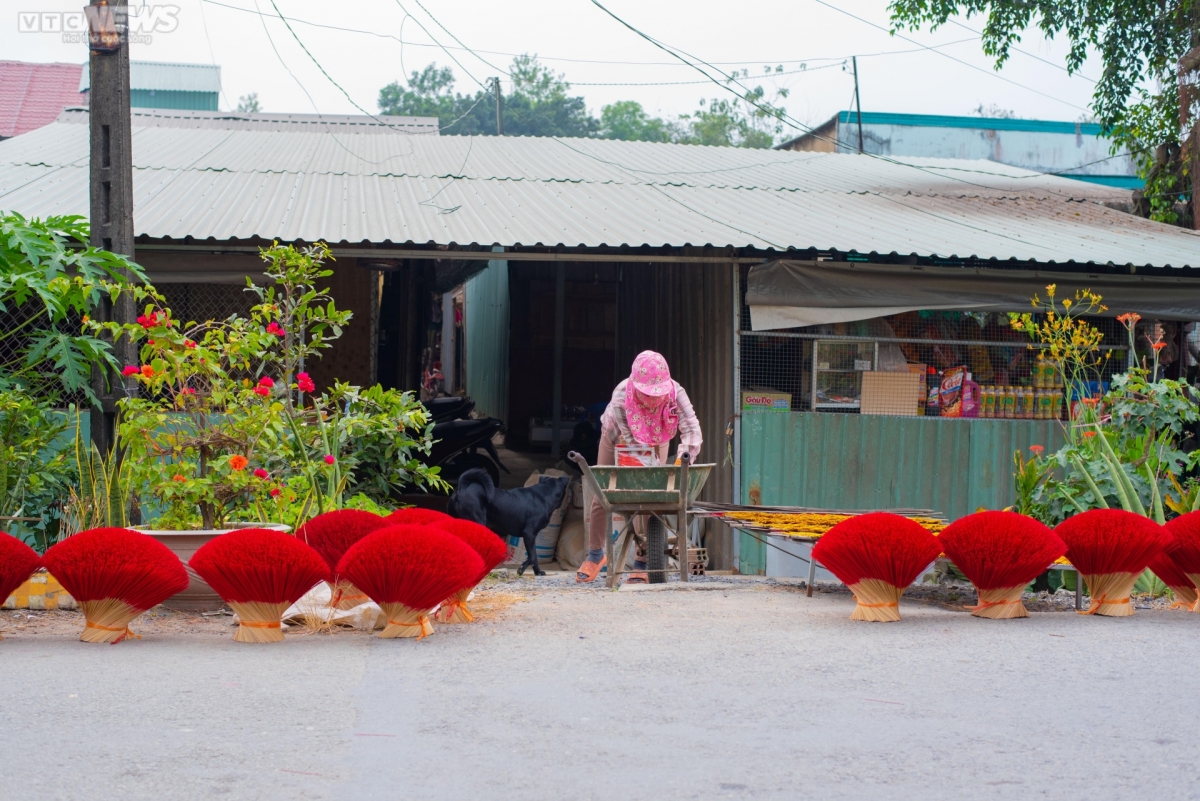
<point x="733" y="691"/>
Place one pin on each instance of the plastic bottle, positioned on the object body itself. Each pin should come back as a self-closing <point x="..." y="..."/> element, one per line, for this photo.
<point x="934" y="389"/>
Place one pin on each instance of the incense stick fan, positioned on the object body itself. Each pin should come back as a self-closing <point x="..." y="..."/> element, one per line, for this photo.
<point x="408" y="570"/>
<point x="115" y="574"/>
<point x="1110" y="548"/>
<point x="1185" y="548"/>
<point x="491" y="550"/>
<point x="260" y="573"/>
<point x="877" y="556"/>
<point x="416" y="516"/>
<point x="17" y="563"/>
<point x="1172" y="575"/>
<point x="1000" y="552"/>
<point x="330" y="534"/>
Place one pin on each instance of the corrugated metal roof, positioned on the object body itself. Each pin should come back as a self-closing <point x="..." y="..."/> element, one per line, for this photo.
<point x="206" y="182"/>
<point x="33" y="95"/>
<point x="163" y="76"/>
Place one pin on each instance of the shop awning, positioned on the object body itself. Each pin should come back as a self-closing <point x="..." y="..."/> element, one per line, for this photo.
<point x="785" y="294"/>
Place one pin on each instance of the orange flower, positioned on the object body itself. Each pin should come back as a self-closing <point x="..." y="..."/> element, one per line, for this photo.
<point x="178" y="477"/>
<point x="1159" y="345"/>
<point x="147" y="371"/>
<point x="238" y="462"/>
<point x="1036" y="449"/>
<point x="1089" y="434"/>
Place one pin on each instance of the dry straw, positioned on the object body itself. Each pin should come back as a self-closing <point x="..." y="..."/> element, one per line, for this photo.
<point x="877" y="556"/>
<point x="115" y="574"/>
<point x="260" y="573"/>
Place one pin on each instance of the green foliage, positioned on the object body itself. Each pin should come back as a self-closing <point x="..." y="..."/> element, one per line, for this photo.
<point x="101" y="495"/>
<point x="34" y="471"/>
<point x="540" y="104"/>
<point x="1140" y="43"/>
<point x="50" y="280"/>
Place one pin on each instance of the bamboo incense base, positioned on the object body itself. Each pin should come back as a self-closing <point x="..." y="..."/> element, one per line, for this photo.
<point x="347" y="596"/>
<point x="878" y="601"/>
<point x="258" y="621"/>
<point x="1000" y="604"/>
<point x="1110" y="594"/>
<point x="1185" y="597"/>
<point x="404" y="621"/>
<point x="108" y="620"/>
<point x="454" y="609"/>
<point x="1195" y="579"/>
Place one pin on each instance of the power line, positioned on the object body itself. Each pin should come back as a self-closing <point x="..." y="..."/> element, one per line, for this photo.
<point x="402" y="42"/>
<point x="1027" y="53"/>
<point x="693" y="83"/>
<point x="947" y="55"/>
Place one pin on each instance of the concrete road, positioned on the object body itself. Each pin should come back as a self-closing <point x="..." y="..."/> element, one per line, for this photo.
<point x="735" y="690"/>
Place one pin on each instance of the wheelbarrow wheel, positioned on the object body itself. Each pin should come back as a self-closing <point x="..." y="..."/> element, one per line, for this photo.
<point x="656" y="550"/>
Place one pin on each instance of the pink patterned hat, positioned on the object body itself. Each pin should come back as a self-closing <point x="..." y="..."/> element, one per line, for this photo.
<point x="651" y="376"/>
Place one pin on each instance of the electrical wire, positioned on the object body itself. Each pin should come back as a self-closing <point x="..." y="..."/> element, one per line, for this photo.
<point x="1027" y="53"/>
<point x="947" y="55"/>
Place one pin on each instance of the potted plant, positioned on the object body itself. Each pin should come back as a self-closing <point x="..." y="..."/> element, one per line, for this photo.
<point x="226" y="431"/>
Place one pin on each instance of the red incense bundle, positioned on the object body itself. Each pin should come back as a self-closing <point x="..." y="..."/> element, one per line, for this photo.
<point x="259" y="572"/>
<point x="115" y="574"/>
<point x="491" y="550"/>
<point x="17" y="563"/>
<point x="1173" y="576"/>
<point x="1185" y="548"/>
<point x="408" y="570"/>
<point x="330" y="535"/>
<point x="1110" y="548"/>
<point x="877" y="556"/>
<point x="416" y="516"/>
<point x="1000" y="552"/>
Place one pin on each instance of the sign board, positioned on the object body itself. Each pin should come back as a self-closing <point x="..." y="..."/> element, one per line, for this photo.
<point x="766" y="402"/>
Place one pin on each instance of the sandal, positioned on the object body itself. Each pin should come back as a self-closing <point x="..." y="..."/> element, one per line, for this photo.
<point x="637" y="577"/>
<point x="589" y="570"/>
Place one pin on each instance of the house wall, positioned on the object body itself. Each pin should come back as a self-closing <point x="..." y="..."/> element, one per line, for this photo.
<point x="486" y="328"/>
<point x="854" y="461"/>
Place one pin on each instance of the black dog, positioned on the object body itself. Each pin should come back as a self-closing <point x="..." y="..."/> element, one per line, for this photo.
<point x="510" y="513"/>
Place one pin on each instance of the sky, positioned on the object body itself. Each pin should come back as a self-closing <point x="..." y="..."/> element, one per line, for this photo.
<point x="602" y="59"/>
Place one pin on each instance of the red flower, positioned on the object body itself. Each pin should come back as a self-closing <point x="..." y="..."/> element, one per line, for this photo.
<point x="260" y="473"/>
<point x="1036" y="449"/>
<point x="274" y="328"/>
<point x="238" y="462"/>
<point x="1159" y="345"/>
<point x="275" y="492"/>
<point x="188" y="391"/>
<point x="187" y="343"/>
<point x="148" y="321"/>
<point x="329" y="459"/>
<point x="130" y="370"/>
<point x="147" y="371"/>
<point x="262" y="391"/>
<point x="149" y="341"/>
<point x="266" y="381"/>
<point x="1089" y="434"/>
<point x="305" y="383"/>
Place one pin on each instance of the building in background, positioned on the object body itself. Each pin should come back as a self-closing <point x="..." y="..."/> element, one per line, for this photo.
<point x="1070" y="149"/>
<point x="194" y="87"/>
<point x="33" y="95"/>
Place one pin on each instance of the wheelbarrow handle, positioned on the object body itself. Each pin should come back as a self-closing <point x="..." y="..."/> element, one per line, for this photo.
<point x="590" y="477"/>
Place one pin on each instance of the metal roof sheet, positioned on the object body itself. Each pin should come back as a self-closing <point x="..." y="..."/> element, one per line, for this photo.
<point x="33" y="95"/>
<point x="167" y="77"/>
<point x="213" y="183"/>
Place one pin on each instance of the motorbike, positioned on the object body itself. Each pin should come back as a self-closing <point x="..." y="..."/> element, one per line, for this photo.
<point x="461" y="443"/>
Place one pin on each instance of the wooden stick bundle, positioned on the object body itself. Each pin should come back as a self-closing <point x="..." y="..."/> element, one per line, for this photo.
<point x="877" y="601"/>
<point x="1110" y="593"/>
<point x="258" y="622"/>
<point x="454" y="609"/>
<point x="404" y="621"/>
<point x="108" y="620"/>
<point x="1003" y="603"/>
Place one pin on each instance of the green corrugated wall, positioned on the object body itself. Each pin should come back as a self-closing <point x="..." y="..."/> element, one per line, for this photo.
<point x="168" y="98"/>
<point x="486" y="312"/>
<point x="853" y="461"/>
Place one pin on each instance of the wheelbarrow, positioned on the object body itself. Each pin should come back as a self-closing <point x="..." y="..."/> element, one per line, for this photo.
<point x="649" y="492"/>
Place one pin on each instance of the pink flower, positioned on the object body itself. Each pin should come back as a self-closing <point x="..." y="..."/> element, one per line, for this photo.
<point x="260" y="473"/>
<point x="329" y="458"/>
<point x="131" y="370"/>
<point x="305" y="383"/>
<point x="274" y="328"/>
<point x="266" y="381"/>
<point x="188" y="391"/>
<point x="262" y="391"/>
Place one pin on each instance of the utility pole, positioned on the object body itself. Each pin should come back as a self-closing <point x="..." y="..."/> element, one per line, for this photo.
<point x="111" y="190"/>
<point x="857" y="103"/>
<point x="499" y="101"/>
<point x="1189" y="93"/>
